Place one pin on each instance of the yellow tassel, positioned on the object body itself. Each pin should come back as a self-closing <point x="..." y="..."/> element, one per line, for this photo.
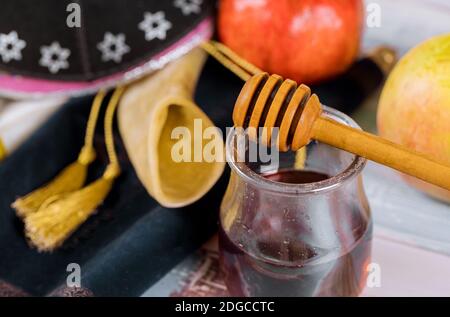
<point x="2" y="150"/>
<point x="59" y="216"/>
<point x="69" y="179"/>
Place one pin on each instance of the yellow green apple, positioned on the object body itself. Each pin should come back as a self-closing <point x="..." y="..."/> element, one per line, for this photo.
<point x="414" y="109"/>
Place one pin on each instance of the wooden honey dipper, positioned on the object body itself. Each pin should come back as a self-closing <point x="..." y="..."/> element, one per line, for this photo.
<point x="269" y="101"/>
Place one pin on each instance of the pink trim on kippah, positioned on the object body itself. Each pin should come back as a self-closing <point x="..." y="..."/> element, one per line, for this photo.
<point x="19" y="86"/>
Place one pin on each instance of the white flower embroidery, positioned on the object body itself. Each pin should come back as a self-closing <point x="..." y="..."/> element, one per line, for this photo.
<point x="54" y="57"/>
<point x="155" y="26"/>
<point x="113" y="47"/>
<point x="189" y="6"/>
<point x="11" y="47"/>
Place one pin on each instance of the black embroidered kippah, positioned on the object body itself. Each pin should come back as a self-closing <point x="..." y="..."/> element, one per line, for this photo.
<point x="92" y="40"/>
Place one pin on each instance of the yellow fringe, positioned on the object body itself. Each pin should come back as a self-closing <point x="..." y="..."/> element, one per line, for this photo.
<point x="59" y="216"/>
<point x="69" y="179"/>
<point x="2" y="150"/>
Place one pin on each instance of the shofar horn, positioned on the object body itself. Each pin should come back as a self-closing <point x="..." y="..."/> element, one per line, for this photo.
<point x="149" y="112"/>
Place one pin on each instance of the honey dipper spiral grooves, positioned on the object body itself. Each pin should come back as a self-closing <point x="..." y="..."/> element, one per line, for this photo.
<point x="271" y="102"/>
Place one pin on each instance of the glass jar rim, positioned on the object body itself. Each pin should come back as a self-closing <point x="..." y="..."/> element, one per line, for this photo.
<point x="331" y="183"/>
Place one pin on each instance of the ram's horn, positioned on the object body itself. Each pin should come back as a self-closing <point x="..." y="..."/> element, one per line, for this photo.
<point x="150" y="112"/>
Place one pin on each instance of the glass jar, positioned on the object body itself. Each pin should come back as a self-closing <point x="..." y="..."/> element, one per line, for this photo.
<point x="299" y="227"/>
